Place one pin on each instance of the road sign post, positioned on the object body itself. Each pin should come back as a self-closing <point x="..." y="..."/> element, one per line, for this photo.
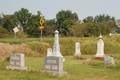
<point x="41" y="35"/>
<point x="41" y="27"/>
<point x="15" y="30"/>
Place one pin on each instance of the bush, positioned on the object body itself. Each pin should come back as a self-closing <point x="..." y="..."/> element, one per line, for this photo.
<point x="4" y="33"/>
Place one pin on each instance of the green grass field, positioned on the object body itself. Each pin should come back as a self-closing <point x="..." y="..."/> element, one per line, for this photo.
<point x="74" y="67"/>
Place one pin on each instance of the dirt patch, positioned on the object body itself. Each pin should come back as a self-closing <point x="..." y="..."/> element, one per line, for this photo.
<point x="6" y="49"/>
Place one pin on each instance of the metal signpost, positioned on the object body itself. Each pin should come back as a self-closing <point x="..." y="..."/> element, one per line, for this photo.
<point x="15" y="30"/>
<point x="41" y="27"/>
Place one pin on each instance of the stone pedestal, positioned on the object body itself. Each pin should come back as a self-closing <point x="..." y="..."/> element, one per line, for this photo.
<point x="16" y="62"/>
<point x="100" y="49"/>
<point x="77" y="51"/>
<point x="53" y="64"/>
<point x="99" y="58"/>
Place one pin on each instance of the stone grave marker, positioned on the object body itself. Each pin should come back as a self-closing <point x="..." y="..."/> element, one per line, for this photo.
<point x="109" y="60"/>
<point x="16" y="62"/>
<point x="54" y="64"/>
<point x="49" y="52"/>
<point x="100" y="49"/>
<point x="77" y="51"/>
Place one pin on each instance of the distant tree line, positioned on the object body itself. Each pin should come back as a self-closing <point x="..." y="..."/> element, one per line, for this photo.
<point x="66" y="22"/>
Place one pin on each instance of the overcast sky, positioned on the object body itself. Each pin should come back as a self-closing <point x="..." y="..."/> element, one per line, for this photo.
<point x="49" y="8"/>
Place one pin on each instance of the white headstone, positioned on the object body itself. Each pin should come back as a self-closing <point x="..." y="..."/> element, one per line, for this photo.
<point x="108" y="60"/>
<point x="77" y="49"/>
<point x="17" y="62"/>
<point x="56" y="47"/>
<point x="53" y="64"/>
<point x="100" y="48"/>
<point x="49" y="52"/>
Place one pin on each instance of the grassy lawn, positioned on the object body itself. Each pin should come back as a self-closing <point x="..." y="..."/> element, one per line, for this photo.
<point x="75" y="68"/>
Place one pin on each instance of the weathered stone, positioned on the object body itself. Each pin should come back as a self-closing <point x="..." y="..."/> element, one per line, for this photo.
<point x="88" y="60"/>
<point x="77" y="51"/>
<point x="17" y="62"/>
<point x="108" y="60"/>
<point x="49" y="52"/>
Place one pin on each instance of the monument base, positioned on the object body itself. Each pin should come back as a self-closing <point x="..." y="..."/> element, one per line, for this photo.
<point x="58" y="73"/>
<point x="15" y="68"/>
<point x="77" y="56"/>
<point x="99" y="58"/>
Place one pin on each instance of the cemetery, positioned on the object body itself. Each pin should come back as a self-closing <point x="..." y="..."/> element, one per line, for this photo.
<point x="57" y="60"/>
<point x="74" y="40"/>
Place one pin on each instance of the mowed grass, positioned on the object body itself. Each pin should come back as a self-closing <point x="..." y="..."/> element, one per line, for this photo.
<point x="75" y="69"/>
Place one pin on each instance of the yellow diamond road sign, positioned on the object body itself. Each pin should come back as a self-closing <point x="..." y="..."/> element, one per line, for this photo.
<point x="41" y="27"/>
<point x="41" y="21"/>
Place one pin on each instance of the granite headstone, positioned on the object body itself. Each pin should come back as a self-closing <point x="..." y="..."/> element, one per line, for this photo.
<point x="54" y="64"/>
<point x="17" y="62"/>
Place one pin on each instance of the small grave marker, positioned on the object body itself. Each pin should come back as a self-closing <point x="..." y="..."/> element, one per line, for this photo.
<point x="109" y="60"/>
<point x="49" y="52"/>
<point x="77" y="51"/>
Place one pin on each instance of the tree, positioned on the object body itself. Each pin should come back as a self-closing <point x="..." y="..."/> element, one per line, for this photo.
<point x="65" y="19"/>
<point x="78" y="30"/>
<point x="48" y="30"/>
<point x="9" y="22"/>
<point x="106" y="18"/>
<point x="33" y="28"/>
<point x="1" y="20"/>
<point x="88" y="19"/>
<point x="23" y="17"/>
<point x="50" y="22"/>
<point x="4" y="33"/>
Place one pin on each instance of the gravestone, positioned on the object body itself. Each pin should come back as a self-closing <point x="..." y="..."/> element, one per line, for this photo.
<point x="54" y="64"/>
<point x="100" y="49"/>
<point x="16" y="62"/>
<point x="77" y="51"/>
<point x="49" y="52"/>
<point x="109" y="60"/>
